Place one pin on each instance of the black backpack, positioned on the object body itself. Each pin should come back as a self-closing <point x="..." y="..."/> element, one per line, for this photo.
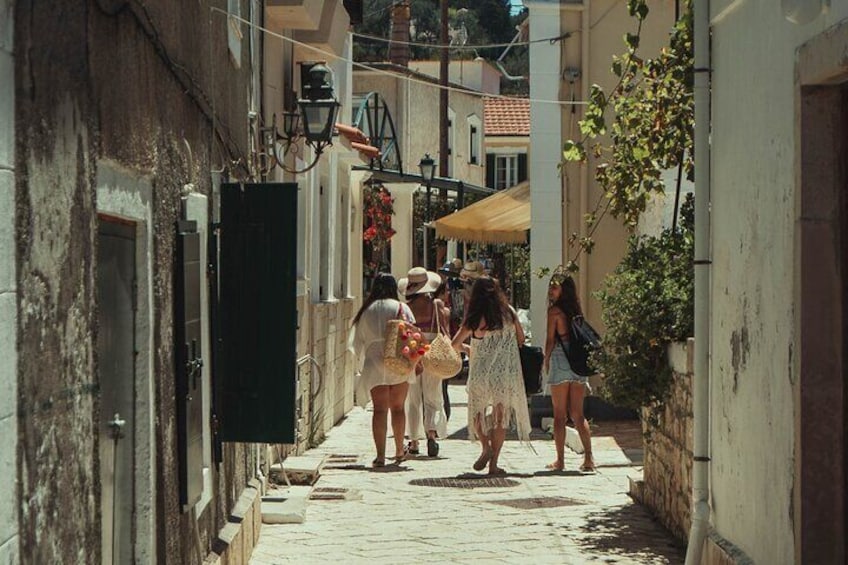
<point x="583" y="340"/>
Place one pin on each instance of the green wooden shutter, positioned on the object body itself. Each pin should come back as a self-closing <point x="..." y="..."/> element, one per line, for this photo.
<point x="522" y="167"/>
<point x="490" y="170"/>
<point x="258" y="324"/>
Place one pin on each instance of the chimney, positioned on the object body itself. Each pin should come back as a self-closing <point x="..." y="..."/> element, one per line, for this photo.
<point x="399" y="52"/>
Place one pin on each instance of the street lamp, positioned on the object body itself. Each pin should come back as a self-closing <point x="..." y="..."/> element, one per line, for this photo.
<point x="427" y="167"/>
<point x="314" y="122"/>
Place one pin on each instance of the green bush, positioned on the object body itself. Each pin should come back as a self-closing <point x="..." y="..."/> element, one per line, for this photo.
<point x="647" y="304"/>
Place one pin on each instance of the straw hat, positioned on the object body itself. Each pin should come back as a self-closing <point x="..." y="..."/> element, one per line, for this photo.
<point x="452" y="267"/>
<point x="419" y="280"/>
<point x="472" y="270"/>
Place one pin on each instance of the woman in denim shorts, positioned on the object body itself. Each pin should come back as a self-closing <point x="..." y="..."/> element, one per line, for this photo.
<point x="567" y="387"/>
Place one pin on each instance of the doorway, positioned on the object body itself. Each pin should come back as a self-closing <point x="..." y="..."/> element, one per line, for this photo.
<point x="822" y="301"/>
<point x="116" y="283"/>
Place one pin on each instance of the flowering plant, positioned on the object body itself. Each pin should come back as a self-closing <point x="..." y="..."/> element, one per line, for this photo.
<point x="378" y="210"/>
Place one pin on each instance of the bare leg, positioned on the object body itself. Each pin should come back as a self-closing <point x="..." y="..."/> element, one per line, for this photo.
<point x="497" y="437"/>
<point x="576" y="393"/>
<point x="415" y="412"/>
<point x="397" y="398"/>
<point x="485" y="445"/>
<point x="380" y="398"/>
<point x="559" y="398"/>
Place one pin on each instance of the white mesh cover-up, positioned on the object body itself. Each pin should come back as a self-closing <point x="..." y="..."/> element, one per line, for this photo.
<point x="494" y="377"/>
<point x="367" y="342"/>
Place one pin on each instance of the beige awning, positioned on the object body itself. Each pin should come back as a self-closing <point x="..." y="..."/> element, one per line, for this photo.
<point x="503" y="217"/>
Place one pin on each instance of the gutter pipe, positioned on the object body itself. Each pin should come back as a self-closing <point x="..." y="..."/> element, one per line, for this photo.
<point x="702" y="266"/>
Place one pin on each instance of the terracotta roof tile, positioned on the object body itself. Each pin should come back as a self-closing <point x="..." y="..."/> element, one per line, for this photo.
<point x="506" y="116"/>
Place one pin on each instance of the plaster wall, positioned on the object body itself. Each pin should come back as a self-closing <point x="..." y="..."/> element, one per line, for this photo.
<point x="480" y="75"/>
<point x="77" y="105"/>
<point x="752" y="321"/>
<point x="415" y="110"/>
<point x="8" y="298"/>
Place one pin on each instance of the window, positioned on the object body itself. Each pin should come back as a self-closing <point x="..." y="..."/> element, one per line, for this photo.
<point x="506" y="171"/>
<point x="474" y="138"/>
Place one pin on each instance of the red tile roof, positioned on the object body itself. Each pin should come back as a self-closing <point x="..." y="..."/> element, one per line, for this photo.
<point x="506" y="116"/>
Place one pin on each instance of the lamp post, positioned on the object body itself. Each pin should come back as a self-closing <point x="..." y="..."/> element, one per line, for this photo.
<point x="313" y="120"/>
<point x="427" y="167"/>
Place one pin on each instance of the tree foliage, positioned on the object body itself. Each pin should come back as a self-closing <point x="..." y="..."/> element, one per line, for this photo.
<point x="486" y="21"/>
<point x="647" y="304"/>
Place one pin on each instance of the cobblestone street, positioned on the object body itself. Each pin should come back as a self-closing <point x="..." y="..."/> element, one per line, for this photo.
<point x="439" y="510"/>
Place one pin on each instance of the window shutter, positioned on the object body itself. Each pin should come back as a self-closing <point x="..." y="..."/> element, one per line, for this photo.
<point x="189" y="361"/>
<point x="522" y="167"/>
<point x="258" y="273"/>
<point x="490" y="170"/>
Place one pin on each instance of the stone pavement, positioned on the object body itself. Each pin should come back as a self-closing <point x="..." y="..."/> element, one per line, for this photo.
<point x="408" y="514"/>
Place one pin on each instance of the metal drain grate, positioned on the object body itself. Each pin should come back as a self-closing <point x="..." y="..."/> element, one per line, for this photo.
<point x="336" y="461"/>
<point x="459" y="482"/>
<point x="328" y="493"/>
<point x="538" y="502"/>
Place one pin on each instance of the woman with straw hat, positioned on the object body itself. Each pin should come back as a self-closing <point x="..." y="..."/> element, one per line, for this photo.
<point x="425" y="406"/>
<point x="386" y="390"/>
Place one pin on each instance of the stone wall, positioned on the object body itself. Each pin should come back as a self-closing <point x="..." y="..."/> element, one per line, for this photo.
<point x="667" y="477"/>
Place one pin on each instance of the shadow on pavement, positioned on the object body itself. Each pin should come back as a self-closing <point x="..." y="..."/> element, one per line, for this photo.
<point x="552" y="473"/>
<point x="389" y="468"/>
<point x="629" y="531"/>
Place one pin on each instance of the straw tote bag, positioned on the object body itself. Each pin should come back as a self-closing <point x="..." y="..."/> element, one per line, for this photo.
<point x="403" y="347"/>
<point x="442" y="360"/>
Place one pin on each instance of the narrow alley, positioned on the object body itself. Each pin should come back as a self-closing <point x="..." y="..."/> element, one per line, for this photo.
<point x="439" y="510"/>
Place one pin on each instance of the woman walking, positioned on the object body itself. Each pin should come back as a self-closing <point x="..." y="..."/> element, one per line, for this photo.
<point x="496" y="396"/>
<point x="387" y="391"/>
<point x="425" y="404"/>
<point x="567" y="387"/>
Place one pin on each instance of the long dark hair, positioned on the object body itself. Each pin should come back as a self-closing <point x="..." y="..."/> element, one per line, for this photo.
<point x="488" y="303"/>
<point x="385" y="286"/>
<point x="567" y="301"/>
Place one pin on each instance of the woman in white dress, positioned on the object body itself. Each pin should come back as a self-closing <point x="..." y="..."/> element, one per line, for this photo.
<point x="425" y="404"/>
<point x="495" y="387"/>
<point x="387" y="391"/>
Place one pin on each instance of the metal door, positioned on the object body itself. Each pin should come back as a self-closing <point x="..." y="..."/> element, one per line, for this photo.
<point x="116" y="362"/>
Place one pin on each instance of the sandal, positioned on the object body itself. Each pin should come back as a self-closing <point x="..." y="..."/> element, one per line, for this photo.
<point x="555" y="466"/>
<point x="483" y="460"/>
<point x="378" y="462"/>
<point x="409" y="449"/>
<point x="432" y="447"/>
<point x="497" y="472"/>
<point x="587" y="467"/>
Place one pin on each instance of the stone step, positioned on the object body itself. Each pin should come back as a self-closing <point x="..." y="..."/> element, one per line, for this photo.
<point x="285" y="505"/>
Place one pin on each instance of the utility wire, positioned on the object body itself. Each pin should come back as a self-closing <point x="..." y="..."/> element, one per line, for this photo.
<point x="333" y="56"/>
<point x="550" y="40"/>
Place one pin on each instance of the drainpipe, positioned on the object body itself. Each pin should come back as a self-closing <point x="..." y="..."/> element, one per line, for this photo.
<point x="701" y="385"/>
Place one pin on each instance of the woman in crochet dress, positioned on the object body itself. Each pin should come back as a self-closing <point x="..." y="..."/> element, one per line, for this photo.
<point x="495" y="387"/>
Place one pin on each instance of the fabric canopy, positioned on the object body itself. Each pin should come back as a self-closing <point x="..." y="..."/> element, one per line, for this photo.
<point x="503" y="217"/>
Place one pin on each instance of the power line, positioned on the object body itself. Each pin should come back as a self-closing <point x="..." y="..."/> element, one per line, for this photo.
<point x="551" y="40"/>
<point x="333" y="56"/>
